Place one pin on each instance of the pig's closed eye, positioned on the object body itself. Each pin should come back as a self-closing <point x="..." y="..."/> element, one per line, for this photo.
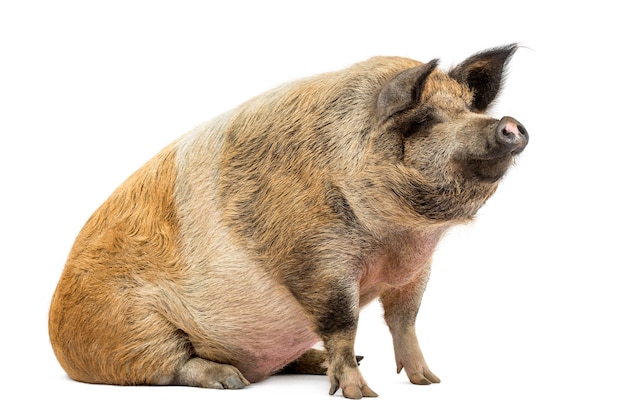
<point x="419" y="124"/>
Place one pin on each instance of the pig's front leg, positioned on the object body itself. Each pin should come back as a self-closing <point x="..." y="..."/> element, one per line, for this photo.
<point x="332" y="300"/>
<point x="343" y="370"/>
<point x="401" y="306"/>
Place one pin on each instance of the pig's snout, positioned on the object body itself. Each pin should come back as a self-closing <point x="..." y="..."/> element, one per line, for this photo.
<point x="511" y="135"/>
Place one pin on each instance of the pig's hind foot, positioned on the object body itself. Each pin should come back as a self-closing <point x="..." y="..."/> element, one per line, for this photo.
<point x="198" y="372"/>
<point x="313" y="362"/>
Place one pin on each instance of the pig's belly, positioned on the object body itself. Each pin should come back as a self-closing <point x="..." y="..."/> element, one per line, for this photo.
<point x="256" y="325"/>
<point x="268" y="352"/>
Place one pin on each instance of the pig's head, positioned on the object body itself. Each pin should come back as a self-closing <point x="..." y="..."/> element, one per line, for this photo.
<point x="434" y="126"/>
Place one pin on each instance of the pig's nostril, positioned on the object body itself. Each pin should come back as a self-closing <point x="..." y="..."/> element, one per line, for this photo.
<point x="508" y="133"/>
<point x="511" y="135"/>
<point x="510" y="129"/>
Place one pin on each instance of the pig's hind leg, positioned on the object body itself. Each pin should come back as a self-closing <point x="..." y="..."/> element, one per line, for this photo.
<point x="313" y="362"/>
<point x="199" y="372"/>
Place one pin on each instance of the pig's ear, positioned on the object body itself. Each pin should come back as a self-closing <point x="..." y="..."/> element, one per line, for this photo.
<point x="403" y="91"/>
<point x="484" y="74"/>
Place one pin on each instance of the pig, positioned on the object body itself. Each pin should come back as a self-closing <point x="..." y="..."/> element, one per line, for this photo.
<point x="247" y="247"/>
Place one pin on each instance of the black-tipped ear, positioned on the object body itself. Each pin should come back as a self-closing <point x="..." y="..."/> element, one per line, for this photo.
<point x="484" y="74"/>
<point x="404" y="90"/>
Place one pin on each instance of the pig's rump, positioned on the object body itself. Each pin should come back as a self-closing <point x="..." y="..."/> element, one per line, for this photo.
<point x="155" y="279"/>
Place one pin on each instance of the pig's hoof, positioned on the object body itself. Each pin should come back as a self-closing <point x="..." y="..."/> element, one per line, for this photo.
<point x="352" y="385"/>
<point x="198" y="372"/>
<point x="424" y="378"/>
<point x="354" y="391"/>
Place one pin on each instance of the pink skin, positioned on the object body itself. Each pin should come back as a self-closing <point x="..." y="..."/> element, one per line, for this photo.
<point x="511" y="128"/>
<point x="401" y="263"/>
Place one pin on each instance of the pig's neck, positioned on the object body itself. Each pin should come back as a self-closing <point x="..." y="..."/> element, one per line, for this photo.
<point x="399" y="259"/>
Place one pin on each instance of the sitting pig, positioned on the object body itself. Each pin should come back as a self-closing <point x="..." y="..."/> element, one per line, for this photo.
<point x="244" y="243"/>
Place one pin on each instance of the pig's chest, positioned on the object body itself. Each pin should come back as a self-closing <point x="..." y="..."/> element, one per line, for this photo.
<point x="399" y="260"/>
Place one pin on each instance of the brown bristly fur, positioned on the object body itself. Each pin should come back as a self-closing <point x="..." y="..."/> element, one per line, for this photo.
<point x="102" y="326"/>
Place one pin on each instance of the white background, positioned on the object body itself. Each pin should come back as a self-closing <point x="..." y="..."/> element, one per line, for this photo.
<point x="525" y="308"/>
